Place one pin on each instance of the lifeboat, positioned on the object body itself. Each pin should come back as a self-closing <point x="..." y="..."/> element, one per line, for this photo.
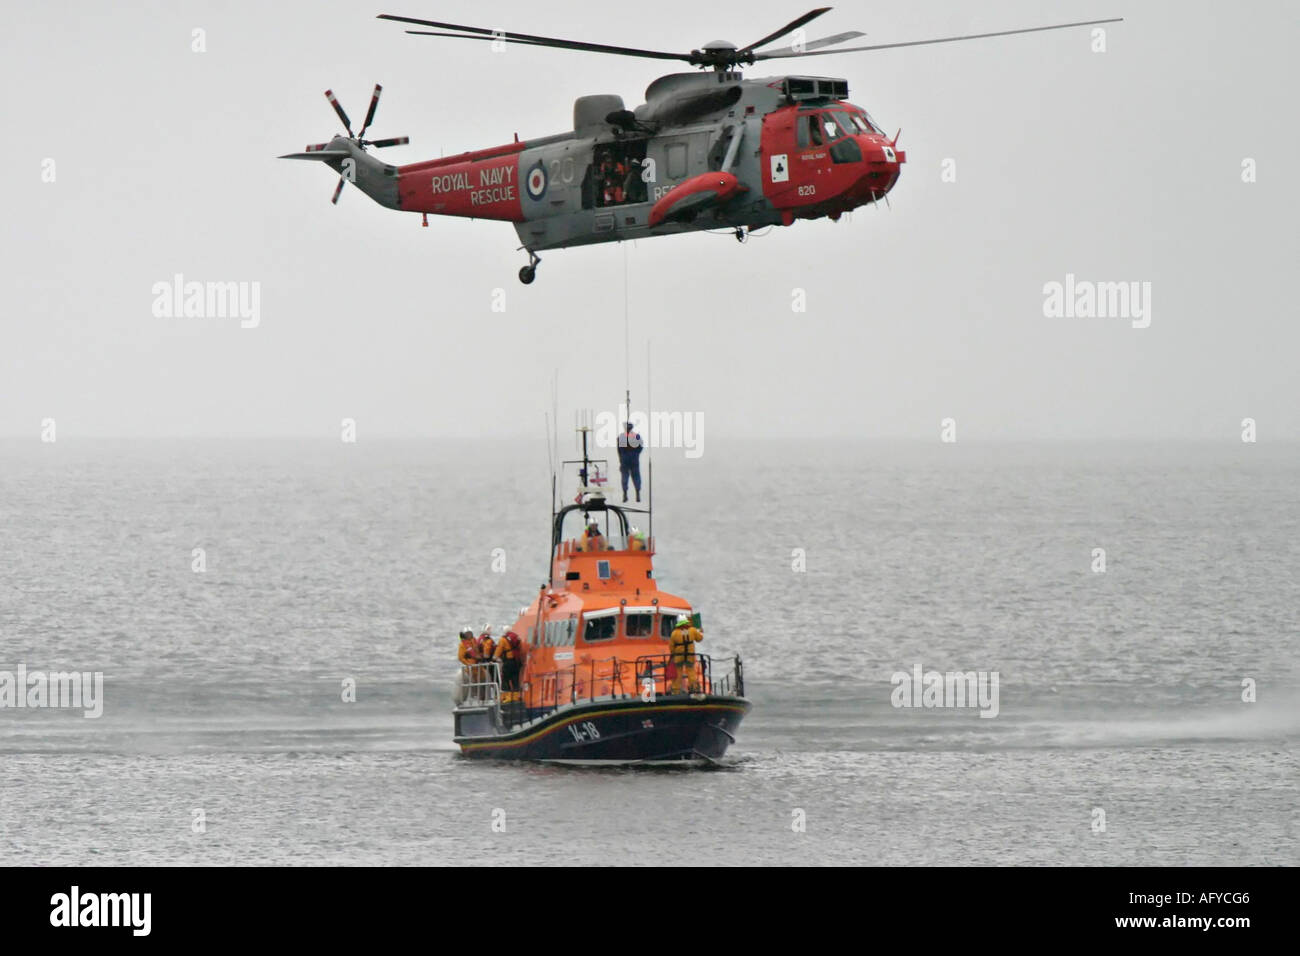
<point x="599" y="682"/>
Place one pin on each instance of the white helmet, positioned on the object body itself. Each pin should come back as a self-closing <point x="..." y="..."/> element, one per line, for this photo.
<point x="683" y="619"/>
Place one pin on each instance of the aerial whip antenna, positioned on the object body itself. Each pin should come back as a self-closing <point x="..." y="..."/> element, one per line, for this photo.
<point x="627" y="347"/>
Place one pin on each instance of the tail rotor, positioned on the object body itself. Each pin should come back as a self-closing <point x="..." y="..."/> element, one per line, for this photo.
<point x="356" y="138"/>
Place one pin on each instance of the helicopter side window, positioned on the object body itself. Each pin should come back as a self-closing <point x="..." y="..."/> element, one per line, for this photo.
<point x="810" y="131"/>
<point x="846" y="151"/>
<point x="676" y="155"/>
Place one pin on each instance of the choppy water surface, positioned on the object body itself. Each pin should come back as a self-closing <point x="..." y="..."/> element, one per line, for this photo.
<point x="1119" y="691"/>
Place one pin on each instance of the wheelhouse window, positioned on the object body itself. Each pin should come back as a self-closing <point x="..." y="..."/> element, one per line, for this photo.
<point x="667" y="624"/>
<point x="558" y="633"/>
<point x="639" y="625"/>
<point x="600" y="629"/>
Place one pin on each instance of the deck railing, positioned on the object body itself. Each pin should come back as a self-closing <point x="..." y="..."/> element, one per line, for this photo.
<point x="480" y="683"/>
<point x="614" y="543"/>
<point x="649" y="677"/>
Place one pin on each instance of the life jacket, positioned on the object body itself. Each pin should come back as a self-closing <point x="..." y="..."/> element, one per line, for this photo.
<point x="467" y="653"/>
<point x="508" y="647"/>
<point x="682" y="644"/>
<point x="486" y="647"/>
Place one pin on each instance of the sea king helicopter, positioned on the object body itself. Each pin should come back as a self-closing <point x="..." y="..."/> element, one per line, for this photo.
<point x="707" y="150"/>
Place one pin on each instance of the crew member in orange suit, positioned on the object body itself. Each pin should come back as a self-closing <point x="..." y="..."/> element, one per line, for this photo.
<point x="592" y="539"/>
<point x="467" y="654"/>
<point x="510" y="652"/>
<point x="486" y="650"/>
<point x="681" y="649"/>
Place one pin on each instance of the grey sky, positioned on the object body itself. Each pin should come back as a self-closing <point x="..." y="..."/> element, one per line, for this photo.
<point x="1122" y="166"/>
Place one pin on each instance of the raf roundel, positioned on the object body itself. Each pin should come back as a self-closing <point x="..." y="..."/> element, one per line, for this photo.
<point x="536" y="182"/>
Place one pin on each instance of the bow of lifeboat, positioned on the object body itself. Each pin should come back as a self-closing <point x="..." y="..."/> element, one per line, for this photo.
<point x="598" y="683"/>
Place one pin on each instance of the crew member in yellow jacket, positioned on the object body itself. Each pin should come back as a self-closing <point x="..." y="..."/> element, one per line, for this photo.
<point x="681" y="648"/>
<point x="467" y="654"/>
<point x="510" y="652"/>
<point x="486" y="650"/>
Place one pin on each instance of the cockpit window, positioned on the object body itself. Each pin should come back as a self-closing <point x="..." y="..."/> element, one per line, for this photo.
<point x="810" y="131"/>
<point x="846" y="151"/>
<point x="835" y="126"/>
<point x="848" y="122"/>
<point x="864" y="119"/>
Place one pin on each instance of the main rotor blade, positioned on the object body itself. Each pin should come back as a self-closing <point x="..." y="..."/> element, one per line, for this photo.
<point x="370" y="113"/>
<point x="537" y="40"/>
<point x="973" y="36"/>
<point x="828" y="41"/>
<point x="788" y="28"/>
<point x="468" y="36"/>
<point x="338" y="108"/>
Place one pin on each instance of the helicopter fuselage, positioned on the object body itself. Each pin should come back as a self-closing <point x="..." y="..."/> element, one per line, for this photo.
<point x="706" y="151"/>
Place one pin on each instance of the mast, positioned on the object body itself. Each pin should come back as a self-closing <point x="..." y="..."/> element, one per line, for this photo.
<point x="650" y="464"/>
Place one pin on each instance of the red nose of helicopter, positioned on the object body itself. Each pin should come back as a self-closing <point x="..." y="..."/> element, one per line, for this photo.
<point x="882" y="162"/>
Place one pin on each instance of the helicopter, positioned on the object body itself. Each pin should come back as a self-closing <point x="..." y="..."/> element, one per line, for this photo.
<point x="707" y="150"/>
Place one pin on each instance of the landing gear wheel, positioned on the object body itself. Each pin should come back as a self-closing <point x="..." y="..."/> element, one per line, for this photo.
<point x="529" y="272"/>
